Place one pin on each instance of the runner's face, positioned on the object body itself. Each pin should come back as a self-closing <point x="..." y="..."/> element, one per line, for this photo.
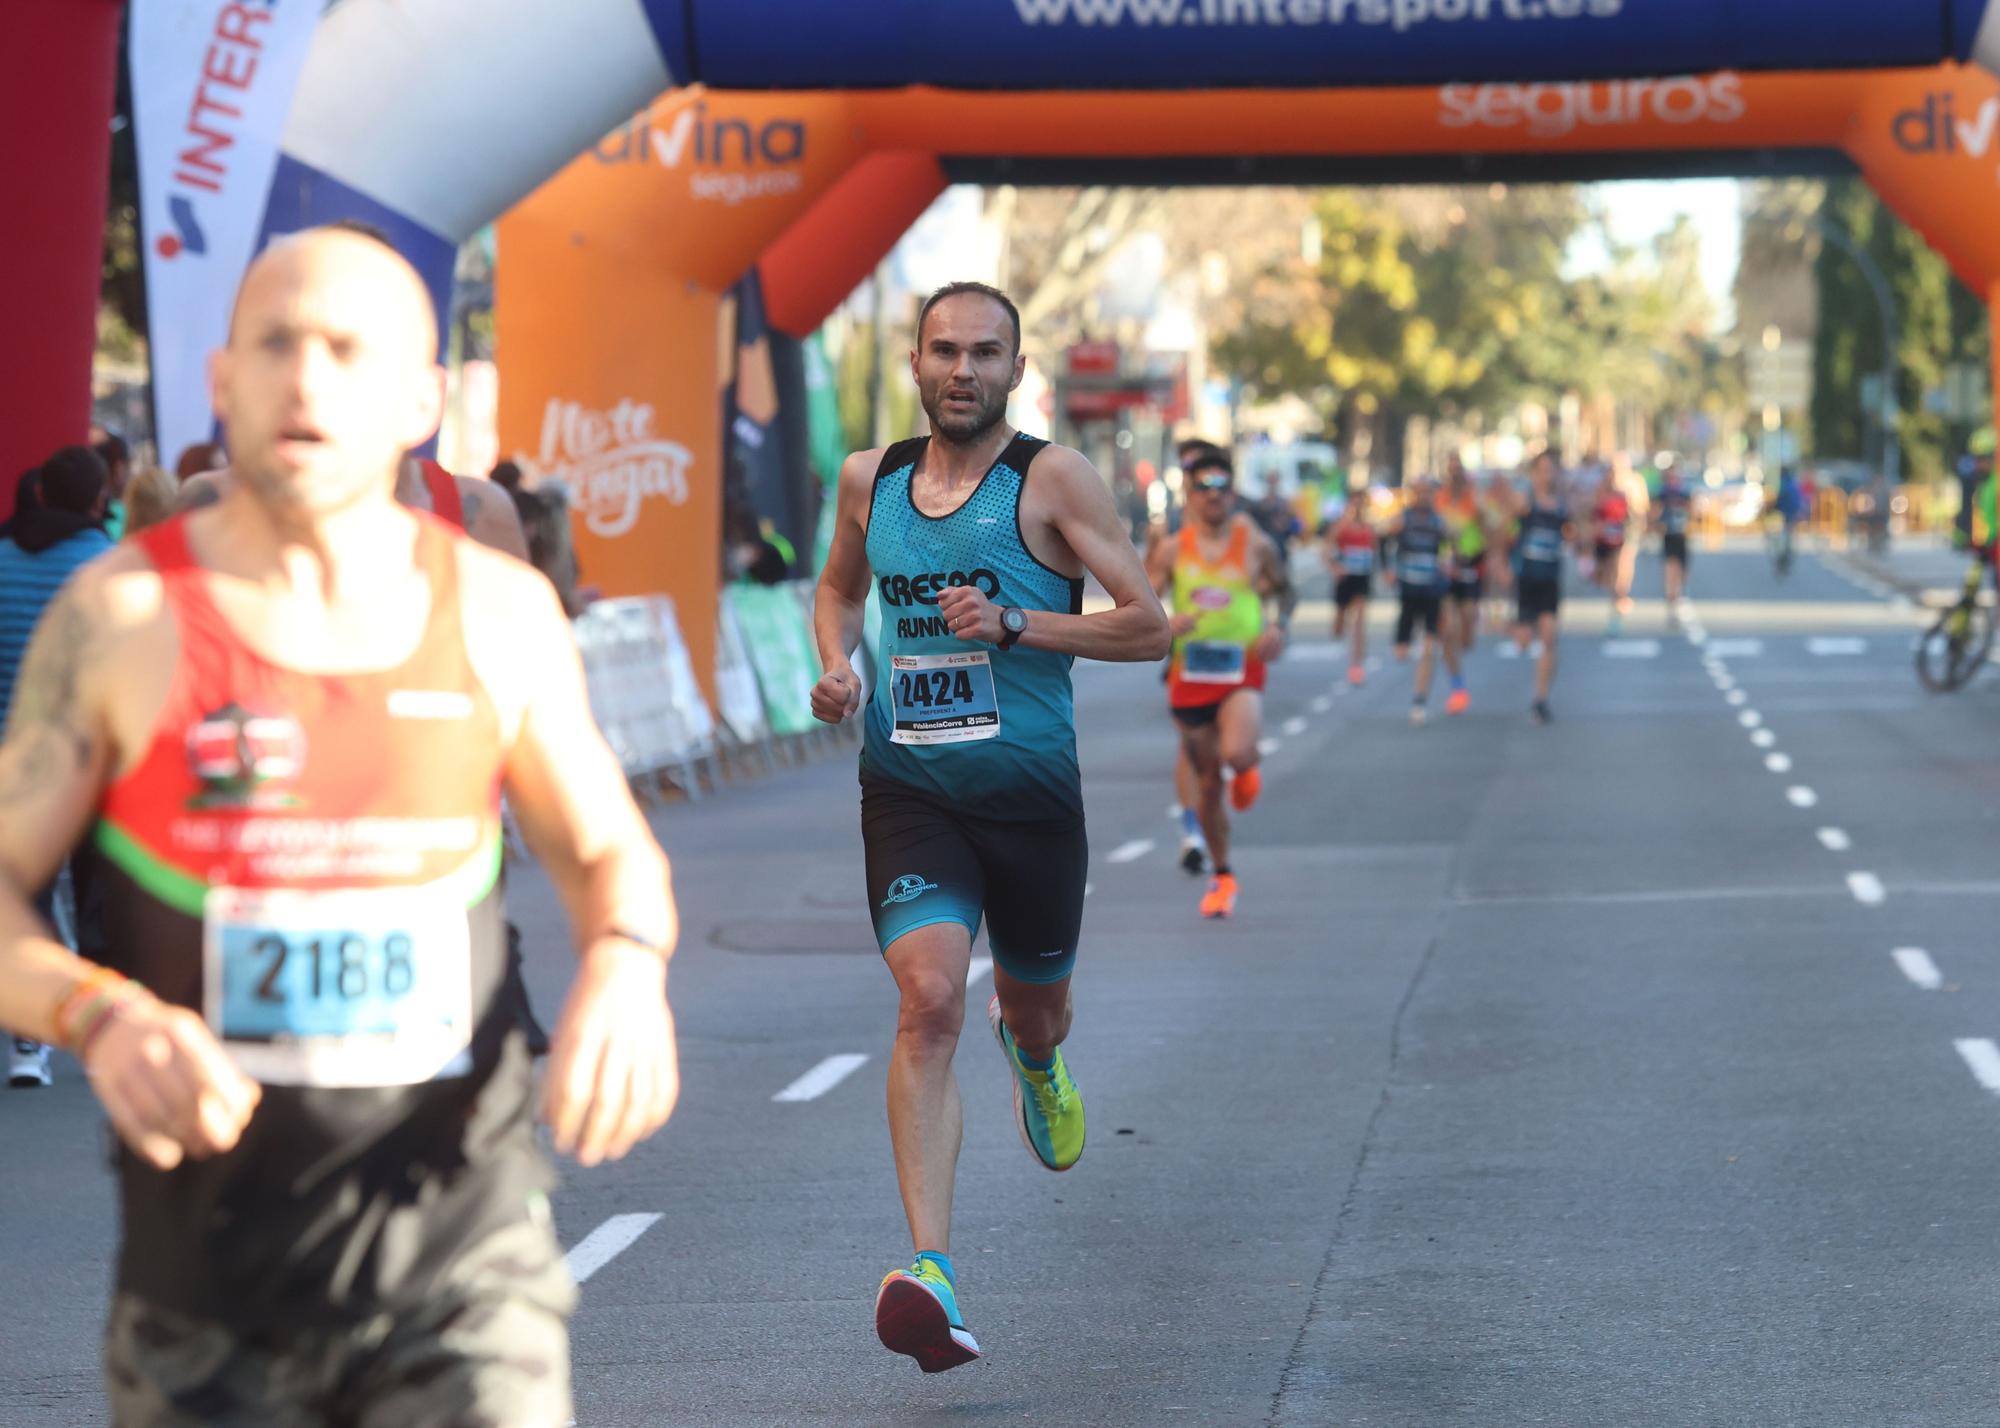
<point x="329" y="375"/>
<point x="1214" y="496"/>
<point x="966" y="366"/>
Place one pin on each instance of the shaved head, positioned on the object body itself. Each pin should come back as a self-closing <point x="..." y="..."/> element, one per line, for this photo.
<point x="392" y="273"/>
<point x="330" y="373"/>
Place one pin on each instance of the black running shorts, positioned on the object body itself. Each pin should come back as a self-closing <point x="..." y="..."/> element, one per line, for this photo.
<point x="1675" y="548"/>
<point x="1419" y="607"/>
<point x="928" y="862"/>
<point x="1350" y="588"/>
<point x="1536" y="598"/>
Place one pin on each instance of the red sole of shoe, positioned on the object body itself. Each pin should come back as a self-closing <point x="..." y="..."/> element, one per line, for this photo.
<point x="909" y="1320"/>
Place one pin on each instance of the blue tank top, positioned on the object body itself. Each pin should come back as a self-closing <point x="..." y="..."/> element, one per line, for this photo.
<point x="1418" y="550"/>
<point x="1541" y="547"/>
<point x="982" y="729"/>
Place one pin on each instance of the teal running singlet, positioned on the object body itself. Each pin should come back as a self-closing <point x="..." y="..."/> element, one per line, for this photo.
<point x="985" y="730"/>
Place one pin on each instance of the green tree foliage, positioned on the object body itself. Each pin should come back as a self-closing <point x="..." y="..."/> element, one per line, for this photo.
<point x="1441" y="303"/>
<point x="1938" y="321"/>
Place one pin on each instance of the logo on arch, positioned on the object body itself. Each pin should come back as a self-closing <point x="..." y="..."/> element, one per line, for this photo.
<point x="908" y="888"/>
<point x="1937" y="127"/>
<point x="728" y="159"/>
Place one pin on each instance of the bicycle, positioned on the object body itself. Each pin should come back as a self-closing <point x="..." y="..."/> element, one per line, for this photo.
<point x="1954" y="649"/>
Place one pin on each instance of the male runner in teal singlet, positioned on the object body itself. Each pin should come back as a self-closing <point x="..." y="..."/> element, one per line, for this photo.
<point x="976" y="539"/>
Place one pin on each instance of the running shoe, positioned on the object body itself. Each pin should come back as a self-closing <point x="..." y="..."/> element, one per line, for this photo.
<point x="1541" y="711"/>
<point x="916" y="1313"/>
<point x="29" y="1064"/>
<point x="1356" y="675"/>
<point x="1220" y="899"/>
<point x="1417" y="716"/>
<point x="1615" y="626"/>
<point x="1244" y="788"/>
<point x="1047" y="1107"/>
<point x="1460" y="701"/>
<point x="1194" y="856"/>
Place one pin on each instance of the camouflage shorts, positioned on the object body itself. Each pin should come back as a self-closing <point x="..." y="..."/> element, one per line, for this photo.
<point x="491" y="1350"/>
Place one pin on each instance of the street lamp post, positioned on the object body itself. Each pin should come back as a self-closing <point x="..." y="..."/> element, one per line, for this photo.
<point x="1885" y="303"/>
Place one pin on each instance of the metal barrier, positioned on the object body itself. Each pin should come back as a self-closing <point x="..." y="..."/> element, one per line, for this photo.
<point x="647" y="701"/>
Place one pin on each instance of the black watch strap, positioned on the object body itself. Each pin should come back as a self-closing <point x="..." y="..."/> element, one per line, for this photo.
<point x="1007" y="635"/>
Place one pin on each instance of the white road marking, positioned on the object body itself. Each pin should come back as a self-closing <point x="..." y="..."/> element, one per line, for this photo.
<point x="1632" y="649"/>
<point x="1174" y="812"/>
<point x="1293" y="727"/>
<point x="1749" y="718"/>
<point x="1697" y="635"/>
<point x="1835" y="840"/>
<point x="1867" y="888"/>
<point x="982" y="965"/>
<point x="1778" y="763"/>
<point x="606" y="1243"/>
<point x="1736" y="649"/>
<point x="1129" y="852"/>
<point x="1918" y="967"/>
<point x="1508" y="651"/>
<point x="1828" y="645"/>
<point x="1801" y="797"/>
<point x="1724" y="683"/>
<point x="1763" y="738"/>
<point x="823" y="1077"/>
<point x="1268" y="747"/>
<point x="1322" y="704"/>
<point x="1983" y="1057"/>
<point x="1735" y="698"/>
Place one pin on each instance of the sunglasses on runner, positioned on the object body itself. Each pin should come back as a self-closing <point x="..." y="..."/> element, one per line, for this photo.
<point x="1215" y="483"/>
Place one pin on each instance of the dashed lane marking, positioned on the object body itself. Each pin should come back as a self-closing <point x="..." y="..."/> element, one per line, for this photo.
<point x="1268" y="747"/>
<point x="1918" y="967"/>
<point x="1835" y="840"/>
<point x="606" y="1243"/>
<point x="823" y="1077"/>
<point x="1801" y="797"/>
<point x="1735" y="698"/>
<point x="1631" y="649"/>
<point x="1130" y="852"/>
<point x="1778" y="763"/>
<point x="1836" y="645"/>
<point x="1763" y="738"/>
<point x="982" y="965"/>
<point x="1983" y="1058"/>
<point x="1867" y="889"/>
<point x="1749" y="718"/>
<point x="1294" y="726"/>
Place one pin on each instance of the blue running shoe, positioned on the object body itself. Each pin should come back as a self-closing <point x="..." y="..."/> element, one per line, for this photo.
<point x="1047" y="1106"/>
<point x="916" y="1313"/>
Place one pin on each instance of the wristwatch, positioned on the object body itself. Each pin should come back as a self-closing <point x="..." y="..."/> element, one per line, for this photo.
<point x="1014" y="621"/>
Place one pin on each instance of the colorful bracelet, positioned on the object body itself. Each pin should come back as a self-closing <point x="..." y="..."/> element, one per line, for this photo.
<point x="104" y="1010"/>
<point x="93" y="984"/>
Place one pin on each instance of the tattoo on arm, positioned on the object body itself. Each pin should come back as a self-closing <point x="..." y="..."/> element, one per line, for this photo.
<point x="46" y="728"/>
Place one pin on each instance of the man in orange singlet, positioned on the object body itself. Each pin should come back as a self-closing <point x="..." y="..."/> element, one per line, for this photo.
<point x="287" y="719"/>
<point x="1227" y="587"/>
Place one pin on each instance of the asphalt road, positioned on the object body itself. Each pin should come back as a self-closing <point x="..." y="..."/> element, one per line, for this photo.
<point x="1625" y="1071"/>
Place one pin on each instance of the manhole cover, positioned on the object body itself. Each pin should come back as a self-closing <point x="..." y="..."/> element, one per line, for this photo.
<point x="790" y="934"/>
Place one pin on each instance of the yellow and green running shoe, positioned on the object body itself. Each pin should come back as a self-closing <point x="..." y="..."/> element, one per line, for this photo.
<point x="1047" y="1106"/>
<point x="916" y="1313"/>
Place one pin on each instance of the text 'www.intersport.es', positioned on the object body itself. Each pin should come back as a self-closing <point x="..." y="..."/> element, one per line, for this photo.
<point x="1398" y="14"/>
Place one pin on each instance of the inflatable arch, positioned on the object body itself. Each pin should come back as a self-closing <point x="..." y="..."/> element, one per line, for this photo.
<point x="800" y="138"/>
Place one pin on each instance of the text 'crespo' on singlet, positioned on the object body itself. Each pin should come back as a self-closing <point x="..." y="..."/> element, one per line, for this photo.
<point x="311" y="863"/>
<point x="985" y="730"/>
